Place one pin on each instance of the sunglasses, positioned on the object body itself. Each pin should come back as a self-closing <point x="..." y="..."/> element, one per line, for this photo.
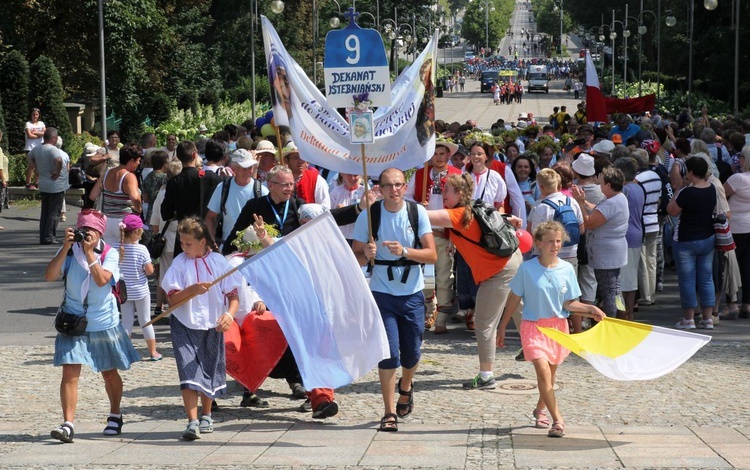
<point x="93" y="212"/>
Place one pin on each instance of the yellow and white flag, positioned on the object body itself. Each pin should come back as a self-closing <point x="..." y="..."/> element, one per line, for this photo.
<point x="624" y="350"/>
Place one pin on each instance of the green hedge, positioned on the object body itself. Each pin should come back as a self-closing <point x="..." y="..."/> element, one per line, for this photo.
<point x="17" y="173"/>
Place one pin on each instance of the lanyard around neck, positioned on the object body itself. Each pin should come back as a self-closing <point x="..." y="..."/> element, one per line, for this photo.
<point x="276" y="214"/>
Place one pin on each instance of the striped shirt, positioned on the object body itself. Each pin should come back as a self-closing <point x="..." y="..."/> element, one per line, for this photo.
<point x="651" y="183"/>
<point x="116" y="204"/>
<point x="131" y="269"/>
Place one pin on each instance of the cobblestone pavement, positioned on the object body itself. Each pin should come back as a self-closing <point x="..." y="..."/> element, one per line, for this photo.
<point x="709" y="391"/>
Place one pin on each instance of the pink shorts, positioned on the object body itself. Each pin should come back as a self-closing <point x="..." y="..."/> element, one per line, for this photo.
<point x="537" y="345"/>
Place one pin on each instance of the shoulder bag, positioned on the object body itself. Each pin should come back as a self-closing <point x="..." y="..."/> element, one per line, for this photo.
<point x="71" y="324"/>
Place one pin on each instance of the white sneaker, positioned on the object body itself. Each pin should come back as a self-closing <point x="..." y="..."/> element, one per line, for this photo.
<point x="688" y="325"/>
<point x="706" y="324"/>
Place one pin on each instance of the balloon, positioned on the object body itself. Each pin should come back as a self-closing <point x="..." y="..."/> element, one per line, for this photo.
<point x="269" y="114"/>
<point x="260" y="122"/>
<point x="524" y="240"/>
<point x="267" y="130"/>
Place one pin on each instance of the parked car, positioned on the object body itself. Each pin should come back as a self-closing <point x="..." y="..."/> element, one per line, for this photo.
<point x="469" y="55"/>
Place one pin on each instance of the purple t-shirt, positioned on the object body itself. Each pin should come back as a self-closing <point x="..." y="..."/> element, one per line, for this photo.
<point x="636" y="198"/>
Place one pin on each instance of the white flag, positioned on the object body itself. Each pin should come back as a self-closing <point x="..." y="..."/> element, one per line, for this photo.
<point x="313" y="284"/>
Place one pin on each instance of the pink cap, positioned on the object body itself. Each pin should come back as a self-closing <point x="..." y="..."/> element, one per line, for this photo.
<point x="92" y="219"/>
<point x="131" y="222"/>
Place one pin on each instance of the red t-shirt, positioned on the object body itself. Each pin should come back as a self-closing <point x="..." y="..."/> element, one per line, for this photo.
<point x="483" y="264"/>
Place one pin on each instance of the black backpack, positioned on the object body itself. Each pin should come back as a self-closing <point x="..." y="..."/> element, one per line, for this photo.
<point x="226" y="185"/>
<point x="498" y="235"/>
<point x="413" y="213"/>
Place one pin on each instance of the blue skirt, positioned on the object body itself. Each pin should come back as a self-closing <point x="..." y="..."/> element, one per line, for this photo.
<point x="201" y="359"/>
<point x="100" y="350"/>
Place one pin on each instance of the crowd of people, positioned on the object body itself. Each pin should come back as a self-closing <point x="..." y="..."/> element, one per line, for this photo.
<point x="610" y="208"/>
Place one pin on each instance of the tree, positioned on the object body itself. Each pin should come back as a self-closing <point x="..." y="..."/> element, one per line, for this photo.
<point x="14" y="93"/>
<point x="46" y="92"/>
<point x="4" y="140"/>
<point x="548" y="18"/>
<point x="478" y="23"/>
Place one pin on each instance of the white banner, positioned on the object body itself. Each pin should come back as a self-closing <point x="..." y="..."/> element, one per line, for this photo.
<point x="404" y="133"/>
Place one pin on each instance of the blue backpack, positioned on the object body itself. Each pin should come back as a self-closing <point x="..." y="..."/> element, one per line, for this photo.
<point x="565" y="214"/>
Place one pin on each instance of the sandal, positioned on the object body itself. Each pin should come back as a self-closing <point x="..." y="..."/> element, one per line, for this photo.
<point x="404" y="409"/>
<point x="156" y="358"/>
<point x="730" y="314"/>
<point x="249" y="399"/>
<point x="114" y="426"/>
<point x="63" y="433"/>
<point x="557" y="429"/>
<point x="542" y="421"/>
<point x="388" y="423"/>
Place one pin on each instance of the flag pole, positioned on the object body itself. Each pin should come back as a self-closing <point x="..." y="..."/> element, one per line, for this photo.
<point x="279" y="158"/>
<point x="367" y="198"/>
<point x="183" y="301"/>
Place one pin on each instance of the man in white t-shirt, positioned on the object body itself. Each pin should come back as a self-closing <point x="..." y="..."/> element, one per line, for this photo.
<point x="241" y="188"/>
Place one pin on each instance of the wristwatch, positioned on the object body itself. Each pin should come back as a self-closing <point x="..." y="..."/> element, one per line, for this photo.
<point x="404" y="251"/>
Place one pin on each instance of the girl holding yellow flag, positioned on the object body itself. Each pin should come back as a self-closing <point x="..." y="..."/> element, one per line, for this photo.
<point x="549" y="289"/>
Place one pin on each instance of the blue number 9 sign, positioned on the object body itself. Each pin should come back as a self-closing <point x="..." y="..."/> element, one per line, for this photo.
<point x="355" y="63"/>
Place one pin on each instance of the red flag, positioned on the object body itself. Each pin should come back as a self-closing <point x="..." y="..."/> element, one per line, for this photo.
<point x="640" y="104"/>
<point x="596" y="108"/>
<point x="253" y="350"/>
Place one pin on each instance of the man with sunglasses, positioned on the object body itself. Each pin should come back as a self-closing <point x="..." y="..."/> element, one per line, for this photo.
<point x="397" y="285"/>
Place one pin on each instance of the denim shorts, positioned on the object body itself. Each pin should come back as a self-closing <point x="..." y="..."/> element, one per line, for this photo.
<point x="403" y="317"/>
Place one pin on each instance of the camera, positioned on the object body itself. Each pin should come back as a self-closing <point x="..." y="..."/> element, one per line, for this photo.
<point x="79" y="234"/>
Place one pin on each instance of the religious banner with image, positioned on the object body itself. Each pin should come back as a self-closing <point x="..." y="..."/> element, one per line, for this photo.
<point x="403" y="133"/>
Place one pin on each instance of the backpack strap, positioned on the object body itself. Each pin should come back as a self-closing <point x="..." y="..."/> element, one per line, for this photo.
<point x="413" y="213"/>
<point x="257" y="188"/>
<point x="375" y="211"/>
<point x="225" y="187"/>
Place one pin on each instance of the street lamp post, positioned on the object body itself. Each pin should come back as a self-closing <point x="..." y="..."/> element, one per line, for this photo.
<point x="487" y="5"/>
<point x="601" y="39"/>
<point x="390" y="27"/>
<point x="671" y="21"/>
<point x="102" y="78"/>
<point x="334" y="22"/>
<point x="613" y="36"/>
<point x="643" y="30"/>
<point x="374" y="20"/>
<point x="561" y="26"/>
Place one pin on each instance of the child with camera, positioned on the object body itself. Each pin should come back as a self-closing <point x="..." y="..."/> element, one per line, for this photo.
<point x="90" y="269"/>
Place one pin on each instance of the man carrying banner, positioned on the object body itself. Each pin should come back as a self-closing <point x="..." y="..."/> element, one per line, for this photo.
<point x="309" y="185"/>
<point x="396" y="283"/>
<point x="429" y="193"/>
